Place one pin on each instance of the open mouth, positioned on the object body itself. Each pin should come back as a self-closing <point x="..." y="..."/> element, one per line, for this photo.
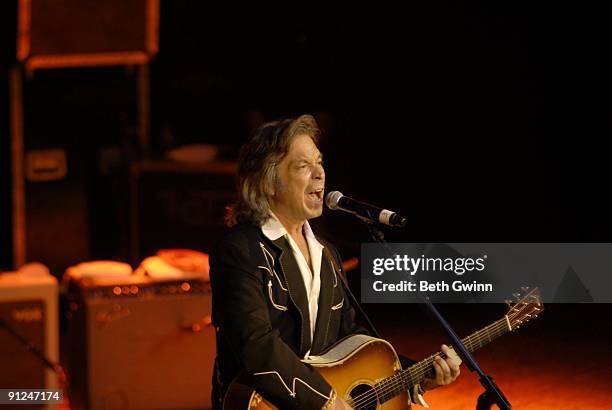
<point x="316" y="195"/>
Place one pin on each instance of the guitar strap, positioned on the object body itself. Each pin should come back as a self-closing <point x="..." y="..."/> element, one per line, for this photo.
<point x="354" y="301"/>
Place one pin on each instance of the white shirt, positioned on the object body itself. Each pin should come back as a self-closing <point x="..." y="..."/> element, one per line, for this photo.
<point x="274" y="229"/>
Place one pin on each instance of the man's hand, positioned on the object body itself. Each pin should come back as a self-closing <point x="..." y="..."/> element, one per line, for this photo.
<point x="446" y="370"/>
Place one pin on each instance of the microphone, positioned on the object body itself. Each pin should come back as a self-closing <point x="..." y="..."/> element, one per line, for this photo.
<point x="335" y="200"/>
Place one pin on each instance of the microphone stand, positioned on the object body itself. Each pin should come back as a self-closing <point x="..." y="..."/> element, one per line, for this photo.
<point x="492" y="394"/>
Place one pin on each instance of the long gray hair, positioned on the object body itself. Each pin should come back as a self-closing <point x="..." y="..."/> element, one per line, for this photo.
<point x="258" y="167"/>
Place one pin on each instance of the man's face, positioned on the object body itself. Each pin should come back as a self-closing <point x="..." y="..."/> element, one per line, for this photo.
<point x="299" y="194"/>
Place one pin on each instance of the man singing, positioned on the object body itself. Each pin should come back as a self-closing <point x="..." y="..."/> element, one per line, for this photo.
<point x="277" y="297"/>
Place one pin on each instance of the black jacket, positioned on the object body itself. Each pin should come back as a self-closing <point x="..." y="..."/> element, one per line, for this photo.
<point x="260" y="313"/>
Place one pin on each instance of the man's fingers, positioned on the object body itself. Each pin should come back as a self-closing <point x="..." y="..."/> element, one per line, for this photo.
<point x="439" y="377"/>
<point x="454" y="368"/>
<point x="453" y="360"/>
<point x="443" y="365"/>
<point x="445" y="372"/>
<point x="451" y="354"/>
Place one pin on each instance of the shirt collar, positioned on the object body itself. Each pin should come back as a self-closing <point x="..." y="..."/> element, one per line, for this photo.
<point x="274" y="229"/>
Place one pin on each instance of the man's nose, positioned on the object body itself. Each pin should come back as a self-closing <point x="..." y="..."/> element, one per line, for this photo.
<point x="318" y="172"/>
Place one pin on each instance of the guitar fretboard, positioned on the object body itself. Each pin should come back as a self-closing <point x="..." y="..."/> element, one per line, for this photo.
<point x="407" y="378"/>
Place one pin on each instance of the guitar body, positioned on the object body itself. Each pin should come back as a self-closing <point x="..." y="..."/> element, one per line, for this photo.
<point x="352" y="366"/>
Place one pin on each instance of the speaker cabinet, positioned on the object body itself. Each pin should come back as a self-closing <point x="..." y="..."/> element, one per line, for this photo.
<point x="70" y="33"/>
<point x="28" y="306"/>
<point x="141" y="345"/>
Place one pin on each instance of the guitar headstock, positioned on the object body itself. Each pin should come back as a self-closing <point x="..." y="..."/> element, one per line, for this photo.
<point x="527" y="306"/>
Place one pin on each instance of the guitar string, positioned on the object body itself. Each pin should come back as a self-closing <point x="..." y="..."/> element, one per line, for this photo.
<point x="424" y="367"/>
<point x="496" y="329"/>
<point x="420" y="370"/>
<point x="415" y="374"/>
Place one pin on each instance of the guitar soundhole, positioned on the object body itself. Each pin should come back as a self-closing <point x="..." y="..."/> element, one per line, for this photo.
<point x="364" y="397"/>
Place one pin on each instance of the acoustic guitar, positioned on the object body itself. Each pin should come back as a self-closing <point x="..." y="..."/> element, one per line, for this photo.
<point x="365" y="371"/>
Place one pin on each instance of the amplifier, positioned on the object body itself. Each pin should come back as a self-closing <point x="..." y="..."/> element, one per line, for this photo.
<point x="139" y="344"/>
<point x="28" y="305"/>
<point x="72" y="33"/>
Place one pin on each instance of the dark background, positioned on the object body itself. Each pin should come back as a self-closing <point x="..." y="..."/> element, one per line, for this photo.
<point x="479" y="122"/>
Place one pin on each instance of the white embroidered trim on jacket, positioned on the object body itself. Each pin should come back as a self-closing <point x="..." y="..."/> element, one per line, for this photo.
<point x="270" y="268"/>
<point x="339" y="305"/>
<point x="277" y="306"/>
<point x="292" y="391"/>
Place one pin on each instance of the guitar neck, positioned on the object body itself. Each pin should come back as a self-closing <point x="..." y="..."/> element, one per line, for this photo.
<point x="407" y="378"/>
